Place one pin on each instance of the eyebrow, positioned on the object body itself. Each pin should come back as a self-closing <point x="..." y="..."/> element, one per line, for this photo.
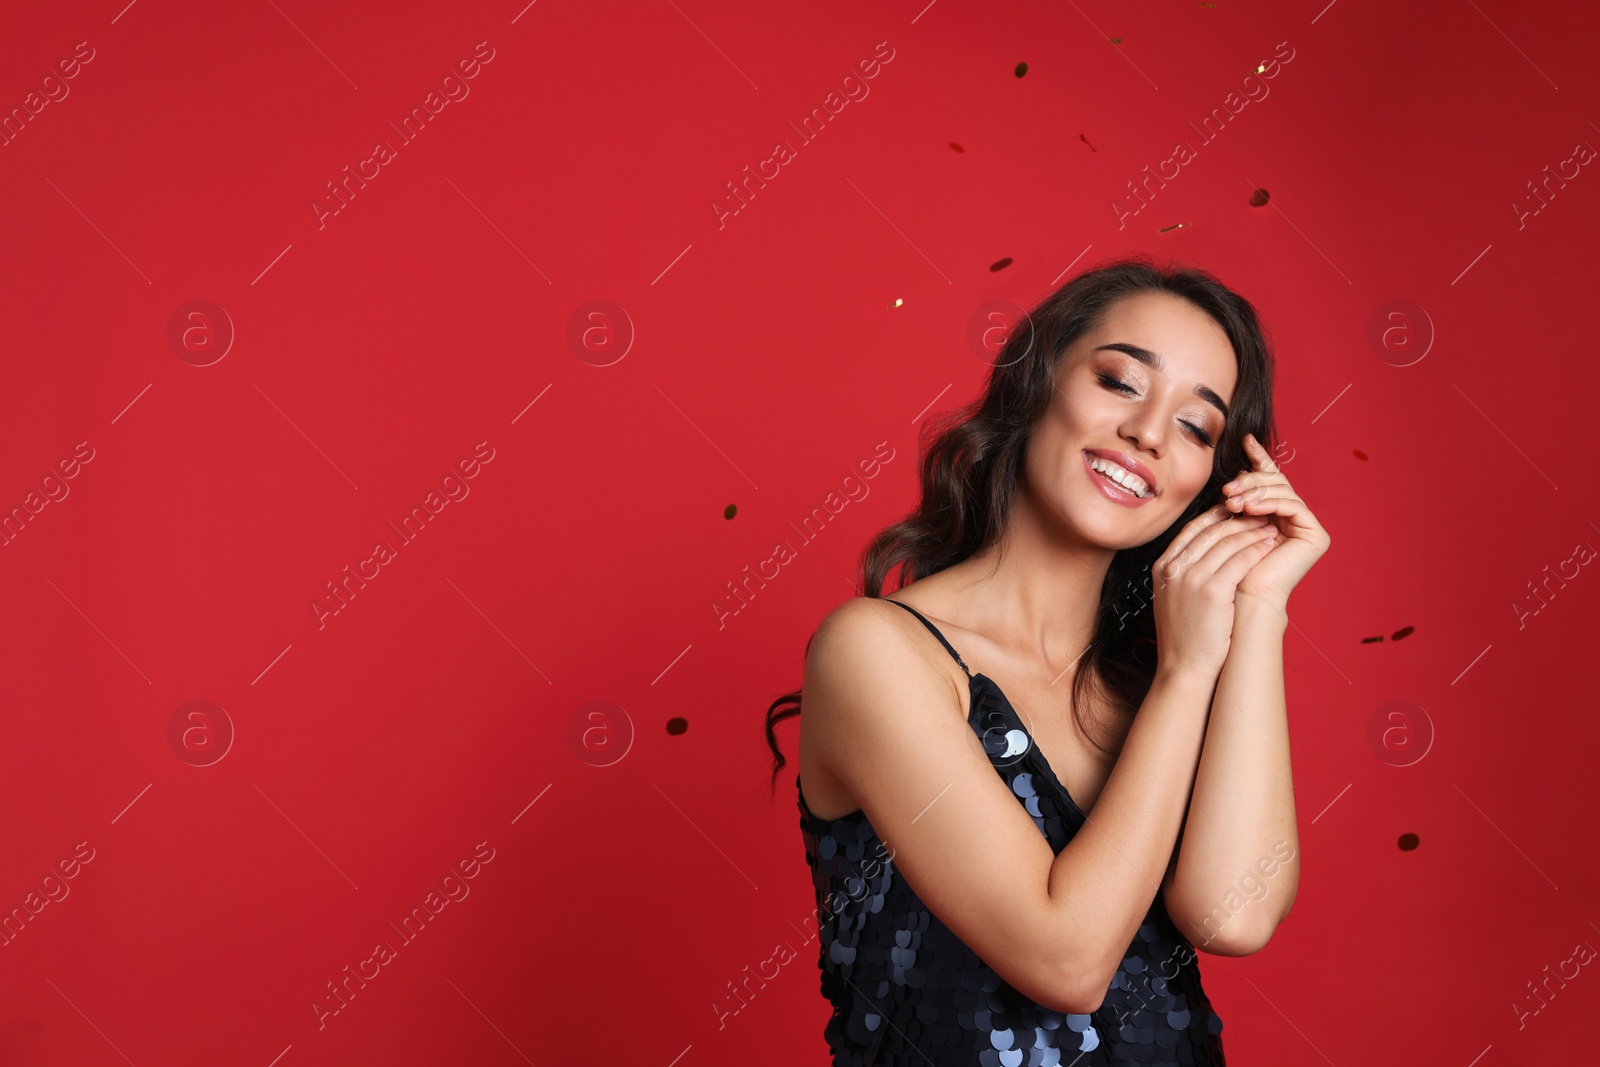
<point x="1144" y="355"/>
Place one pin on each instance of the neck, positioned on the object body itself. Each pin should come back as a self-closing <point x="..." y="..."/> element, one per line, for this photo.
<point x="1036" y="592"/>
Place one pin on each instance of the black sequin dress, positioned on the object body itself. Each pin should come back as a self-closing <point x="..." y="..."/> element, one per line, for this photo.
<point x="905" y="990"/>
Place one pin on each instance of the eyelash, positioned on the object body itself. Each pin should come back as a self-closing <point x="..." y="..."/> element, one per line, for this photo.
<point x="1113" y="382"/>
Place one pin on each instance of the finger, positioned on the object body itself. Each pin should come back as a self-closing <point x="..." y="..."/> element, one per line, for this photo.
<point x="1235" y="503"/>
<point x="1218" y="555"/>
<point x="1258" y="451"/>
<point x="1253" y="480"/>
<point x="1265" y="469"/>
<point x="1191" y="530"/>
<point x="1241" y="562"/>
<point x="1284" y="505"/>
<point x="1202" y="542"/>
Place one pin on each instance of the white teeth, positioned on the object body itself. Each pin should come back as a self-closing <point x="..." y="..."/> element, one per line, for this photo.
<point x="1121" y="475"/>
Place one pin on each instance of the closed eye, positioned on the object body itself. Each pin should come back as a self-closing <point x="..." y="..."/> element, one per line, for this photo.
<point x="1111" y="381"/>
<point x="1115" y="383"/>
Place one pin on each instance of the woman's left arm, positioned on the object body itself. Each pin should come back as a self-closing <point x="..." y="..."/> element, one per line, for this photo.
<point x="1237" y="869"/>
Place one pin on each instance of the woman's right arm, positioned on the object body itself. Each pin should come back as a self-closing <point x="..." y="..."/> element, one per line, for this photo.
<point x="888" y="725"/>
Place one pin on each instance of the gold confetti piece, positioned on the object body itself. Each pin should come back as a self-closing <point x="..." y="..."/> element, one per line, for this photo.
<point x="1204" y="4"/>
<point x="897" y="303"/>
<point x="1261" y="68"/>
<point x="1174" y="226"/>
<point x="1116" y="40"/>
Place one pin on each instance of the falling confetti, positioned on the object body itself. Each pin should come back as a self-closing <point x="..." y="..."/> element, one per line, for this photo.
<point x="1372" y="640"/>
<point x="956" y="147"/>
<point x="677" y="726"/>
<point x="730" y="511"/>
<point x="1022" y="68"/>
<point x="1202" y="3"/>
<point x="1261" y="68"/>
<point x="1116" y="40"/>
<point x="897" y="303"/>
<point x="1408" y="842"/>
<point x="1404" y="631"/>
<point x="1085" y="140"/>
<point x="1356" y="452"/>
<point x="1259" y="198"/>
<point x="1000" y="264"/>
<point x="1174" y="226"/>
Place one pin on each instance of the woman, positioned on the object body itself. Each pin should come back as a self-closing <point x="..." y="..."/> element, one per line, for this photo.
<point x="1000" y="881"/>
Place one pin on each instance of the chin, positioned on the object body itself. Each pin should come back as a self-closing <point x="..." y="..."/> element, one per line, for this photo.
<point x="1108" y="533"/>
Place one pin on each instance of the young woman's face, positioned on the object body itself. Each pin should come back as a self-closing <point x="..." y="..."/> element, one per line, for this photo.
<point x="1143" y="397"/>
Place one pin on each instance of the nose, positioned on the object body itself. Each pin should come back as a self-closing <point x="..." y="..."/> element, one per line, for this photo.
<point x="1146" y="429"/>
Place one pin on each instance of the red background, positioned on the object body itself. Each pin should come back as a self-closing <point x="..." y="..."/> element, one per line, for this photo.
<point x="768" y="357"/>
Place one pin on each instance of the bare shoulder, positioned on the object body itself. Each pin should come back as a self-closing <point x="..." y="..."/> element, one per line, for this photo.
<point x="867" y="640"/>
<point x="867" y="623"/>
<point x="871" y="658"/>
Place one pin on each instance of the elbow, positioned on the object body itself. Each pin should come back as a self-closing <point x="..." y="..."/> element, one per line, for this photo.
<point x="1083" y="1002"/>
<point x="1077" y="990"/>
<point x="1225" y="931"/>
<point x="1074" y="998"/>
<point x="1085" y="997"/>
<point x="1241" y="941"/>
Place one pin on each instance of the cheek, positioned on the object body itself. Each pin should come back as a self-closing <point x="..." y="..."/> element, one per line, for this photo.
<point x="1184" y="483"/>
<point x="1083" y="406"/>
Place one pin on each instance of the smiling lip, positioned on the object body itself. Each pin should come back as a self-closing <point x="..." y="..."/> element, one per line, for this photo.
<point x="1112" y="490"/>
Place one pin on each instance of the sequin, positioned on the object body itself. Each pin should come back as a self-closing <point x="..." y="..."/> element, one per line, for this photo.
<point x="905" y="990"/>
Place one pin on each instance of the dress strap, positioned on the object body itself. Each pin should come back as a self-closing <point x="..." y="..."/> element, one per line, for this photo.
<point x="935" y="631"/>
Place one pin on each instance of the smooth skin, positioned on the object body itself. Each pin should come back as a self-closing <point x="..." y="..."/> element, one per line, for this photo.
<point x="885" y="730"/>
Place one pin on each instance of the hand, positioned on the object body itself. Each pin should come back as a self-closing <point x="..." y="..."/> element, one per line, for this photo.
<point x="1265" y="492"/>
<point x="1195" y="581"/>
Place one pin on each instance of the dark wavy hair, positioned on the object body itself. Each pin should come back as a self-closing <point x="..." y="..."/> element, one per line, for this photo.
<point x="972" y="459"/>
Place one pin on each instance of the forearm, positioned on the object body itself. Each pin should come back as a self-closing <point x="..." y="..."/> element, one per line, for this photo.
<point x="1240" y="834"/>
<point x="1105" y="879"/>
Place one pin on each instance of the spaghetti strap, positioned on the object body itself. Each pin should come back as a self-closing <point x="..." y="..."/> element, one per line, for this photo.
<point x="935" y="631"/>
